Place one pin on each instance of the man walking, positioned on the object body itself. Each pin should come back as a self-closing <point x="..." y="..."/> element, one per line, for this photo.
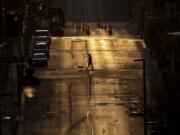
<point x="90" y="62"/>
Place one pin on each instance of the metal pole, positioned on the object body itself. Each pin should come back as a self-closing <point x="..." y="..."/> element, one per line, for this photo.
<point x="145" y="97"/>
<point x="144" y="94"/>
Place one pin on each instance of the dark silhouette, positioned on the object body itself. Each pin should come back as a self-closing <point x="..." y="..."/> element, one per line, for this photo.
<point x="29" y="62"/>
<point x="105" y="26"/>
<point x="90" y="62"/>
<point x="87" y="30"/>
<point x="110" y="29"/>
<point x="98" y="24"/>
<point x="30" y="79"/>
<point x="83" y="26"/>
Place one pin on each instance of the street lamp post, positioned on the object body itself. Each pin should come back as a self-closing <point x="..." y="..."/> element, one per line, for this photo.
<point x="144" y="94"/>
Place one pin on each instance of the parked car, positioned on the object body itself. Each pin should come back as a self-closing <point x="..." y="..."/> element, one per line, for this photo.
<point x="39" y="59"/>
<point x="42" y="39"/>
<point x="43" y="32"/>
<point x="41" y="47"/>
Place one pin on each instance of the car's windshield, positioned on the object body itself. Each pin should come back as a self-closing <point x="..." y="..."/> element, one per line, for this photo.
<point x="41" y="34"/>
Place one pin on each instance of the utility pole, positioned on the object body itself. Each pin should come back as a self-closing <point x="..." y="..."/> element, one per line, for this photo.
<point x="144" y="94"/>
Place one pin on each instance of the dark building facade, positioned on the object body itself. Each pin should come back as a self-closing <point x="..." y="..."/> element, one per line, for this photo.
<point x="161" y="26"/>
<point x="93" y="10"/>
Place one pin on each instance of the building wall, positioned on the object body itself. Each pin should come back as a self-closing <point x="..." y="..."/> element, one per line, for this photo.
<point x="15" y="5"/>
<point x="116" y="10"/>
<point x="3" y="67"/>
<point x="108" y="10"/>
<point x="137" y="10"/>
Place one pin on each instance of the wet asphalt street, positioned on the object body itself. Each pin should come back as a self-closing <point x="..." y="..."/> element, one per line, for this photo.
<point x="73" y="100"/>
